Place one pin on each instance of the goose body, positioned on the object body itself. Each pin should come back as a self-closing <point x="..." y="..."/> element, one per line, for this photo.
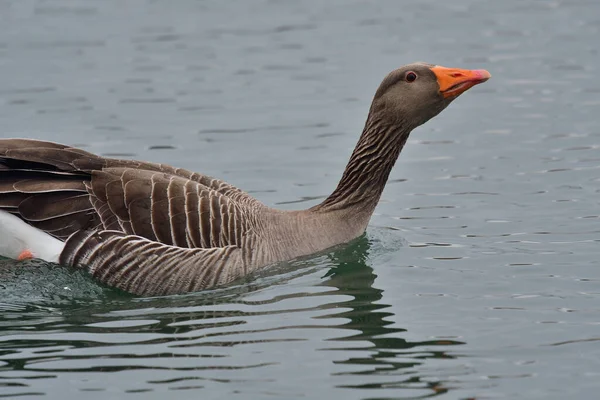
<point x="153" y="229"/>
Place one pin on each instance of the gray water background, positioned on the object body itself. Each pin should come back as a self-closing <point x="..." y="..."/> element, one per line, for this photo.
<point x="478" y="276"/>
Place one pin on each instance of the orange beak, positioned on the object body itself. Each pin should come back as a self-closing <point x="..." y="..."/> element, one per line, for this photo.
<point x="454" y="81"/>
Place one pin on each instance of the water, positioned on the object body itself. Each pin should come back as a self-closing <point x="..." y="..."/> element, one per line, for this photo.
<point x="478" y="276"/>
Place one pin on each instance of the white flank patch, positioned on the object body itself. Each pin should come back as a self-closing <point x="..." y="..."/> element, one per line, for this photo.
<point x="16" y="237"/>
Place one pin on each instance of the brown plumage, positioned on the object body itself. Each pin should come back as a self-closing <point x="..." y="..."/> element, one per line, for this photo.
<point x="153" y="229"/>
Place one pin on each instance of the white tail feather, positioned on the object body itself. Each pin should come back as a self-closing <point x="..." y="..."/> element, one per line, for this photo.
<point x="17" y="237"/>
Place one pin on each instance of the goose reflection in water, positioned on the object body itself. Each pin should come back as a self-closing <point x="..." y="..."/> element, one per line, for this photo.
<point x="223" y="336"/>
<point x="388" y="354"/>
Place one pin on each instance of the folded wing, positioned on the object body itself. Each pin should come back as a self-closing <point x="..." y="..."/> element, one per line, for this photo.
<point x="63" y="190"/>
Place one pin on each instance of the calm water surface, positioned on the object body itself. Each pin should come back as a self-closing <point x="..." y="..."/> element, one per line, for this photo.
<point x="478" y="277"/>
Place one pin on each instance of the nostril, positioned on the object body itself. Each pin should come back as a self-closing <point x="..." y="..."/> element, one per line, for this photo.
<point x="456" y="75"/>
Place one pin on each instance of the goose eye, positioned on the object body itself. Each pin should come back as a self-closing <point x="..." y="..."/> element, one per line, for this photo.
<point x="411" y="76"/>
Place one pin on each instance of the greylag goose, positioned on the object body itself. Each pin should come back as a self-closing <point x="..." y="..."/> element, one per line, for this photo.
<point x="152" y="229"/>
